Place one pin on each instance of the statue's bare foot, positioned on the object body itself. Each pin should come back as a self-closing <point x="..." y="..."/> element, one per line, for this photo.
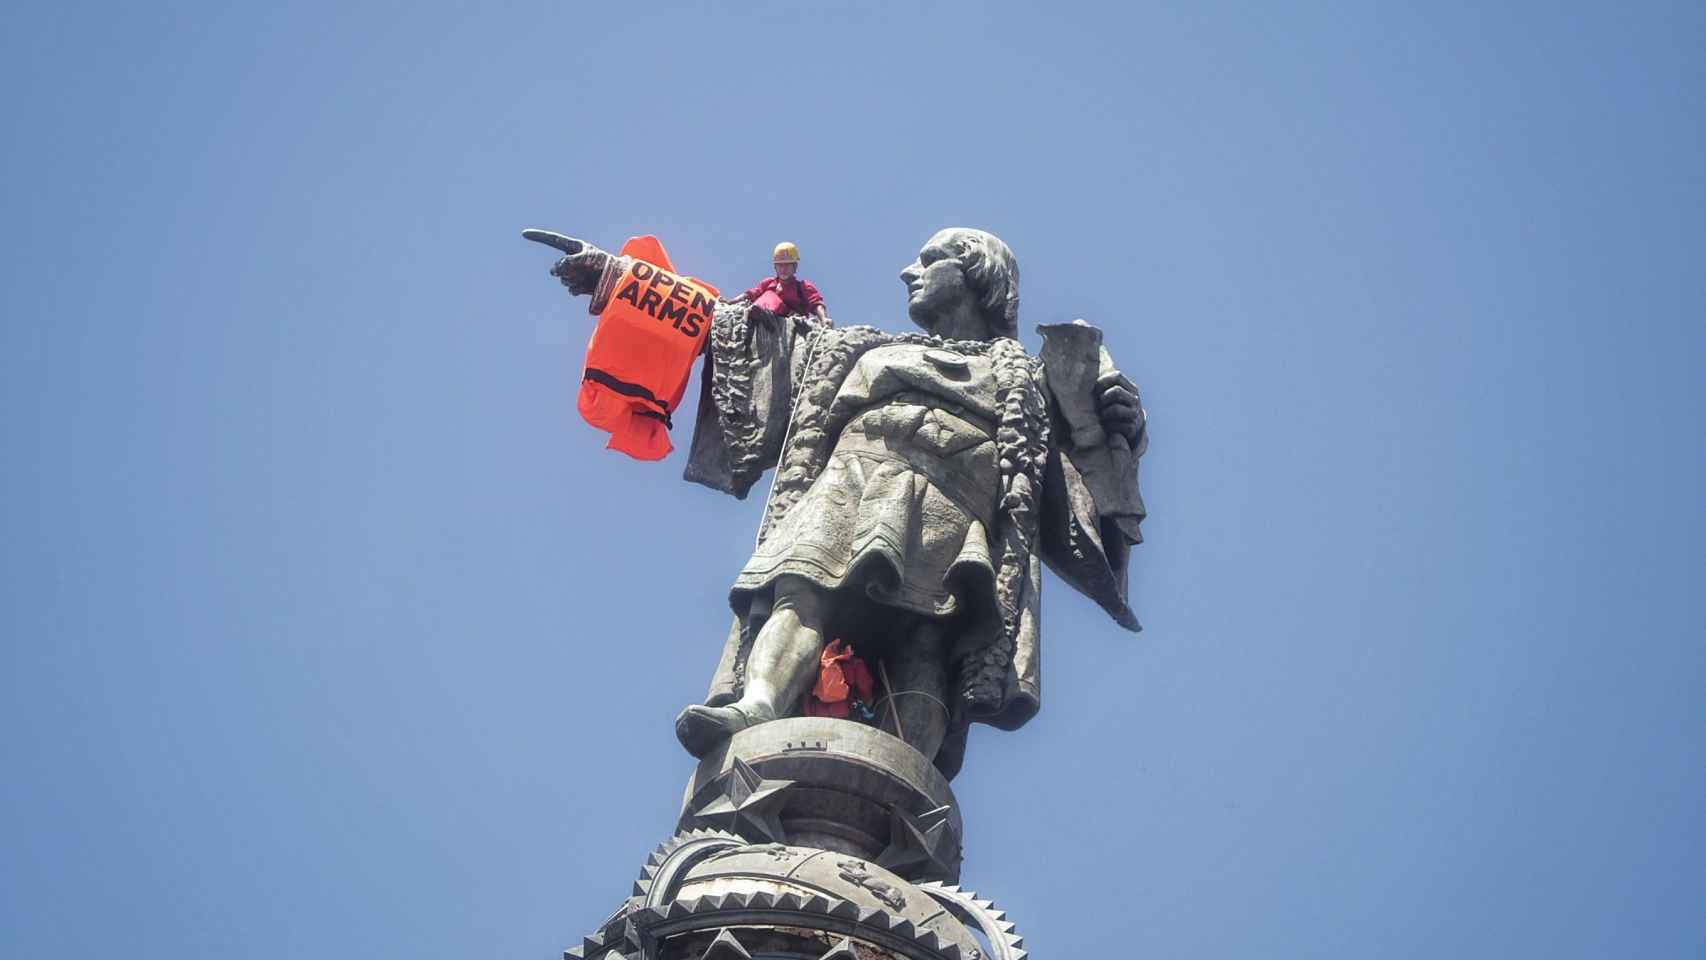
<point x="700" y="728"/>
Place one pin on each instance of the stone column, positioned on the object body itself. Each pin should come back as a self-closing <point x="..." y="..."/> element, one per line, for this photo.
<point x="811" y="838"/>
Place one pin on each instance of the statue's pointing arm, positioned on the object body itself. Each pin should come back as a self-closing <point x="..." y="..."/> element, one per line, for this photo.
<point x="747" y="383"/>
<point x="1091" y="506"/>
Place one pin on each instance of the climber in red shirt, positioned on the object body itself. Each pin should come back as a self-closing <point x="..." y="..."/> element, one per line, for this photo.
<point x="786" y="293"/>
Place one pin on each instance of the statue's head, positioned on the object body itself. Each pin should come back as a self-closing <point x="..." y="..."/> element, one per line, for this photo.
<point x="961" y="271"/>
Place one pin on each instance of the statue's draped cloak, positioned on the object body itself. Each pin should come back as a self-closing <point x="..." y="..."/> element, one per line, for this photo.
<point x="776" y="390"/>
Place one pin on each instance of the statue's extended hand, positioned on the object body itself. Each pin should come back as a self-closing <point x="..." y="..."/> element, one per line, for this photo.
<point x="580" y="271"/>
<point x="1116" y="402"/>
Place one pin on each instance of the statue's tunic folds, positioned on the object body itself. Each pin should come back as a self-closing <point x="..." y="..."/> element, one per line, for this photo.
<point x="903" y="508"/>
<point x="915" y="473"/>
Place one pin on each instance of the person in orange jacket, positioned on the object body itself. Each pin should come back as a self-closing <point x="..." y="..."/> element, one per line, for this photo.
<point x="786" y="292"/>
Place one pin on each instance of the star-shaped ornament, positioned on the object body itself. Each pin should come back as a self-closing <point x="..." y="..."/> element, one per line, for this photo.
<point x="725" y="947"/>
<point x="745" y="803"/>
<point x="920" y="846"/>
<point x="842" y="951"/>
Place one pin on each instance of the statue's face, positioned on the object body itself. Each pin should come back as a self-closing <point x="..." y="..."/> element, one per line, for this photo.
<point x="935" y="284"/>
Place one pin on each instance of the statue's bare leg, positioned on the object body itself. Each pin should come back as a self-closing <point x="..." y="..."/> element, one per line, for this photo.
<point x="919" y="671"/>
<point x="783" y="660"/>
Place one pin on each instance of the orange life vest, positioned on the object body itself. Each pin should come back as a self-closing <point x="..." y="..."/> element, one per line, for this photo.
<point x="642" y="350"/>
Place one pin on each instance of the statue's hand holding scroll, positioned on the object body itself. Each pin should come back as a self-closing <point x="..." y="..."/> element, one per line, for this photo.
<point x="1116" y="404"/>
<point x="1104" y="418"/>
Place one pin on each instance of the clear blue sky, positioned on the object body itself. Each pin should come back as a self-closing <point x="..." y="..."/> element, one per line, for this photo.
<point x="329" y="630"/>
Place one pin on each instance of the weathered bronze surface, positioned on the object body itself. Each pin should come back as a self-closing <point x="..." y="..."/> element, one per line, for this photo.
<point x="922" y="480"/>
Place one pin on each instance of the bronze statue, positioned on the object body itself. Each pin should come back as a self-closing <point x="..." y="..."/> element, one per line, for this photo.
<point x="922" y="479"/>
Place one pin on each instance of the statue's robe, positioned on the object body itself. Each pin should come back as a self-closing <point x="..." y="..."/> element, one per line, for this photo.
<point x="917" y="477"/>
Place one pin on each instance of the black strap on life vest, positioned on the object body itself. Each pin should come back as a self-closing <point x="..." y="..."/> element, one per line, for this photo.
<point x="631" y="390"/>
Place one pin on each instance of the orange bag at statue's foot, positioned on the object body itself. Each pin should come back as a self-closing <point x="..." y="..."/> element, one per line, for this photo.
<point x="842" y="680"/>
